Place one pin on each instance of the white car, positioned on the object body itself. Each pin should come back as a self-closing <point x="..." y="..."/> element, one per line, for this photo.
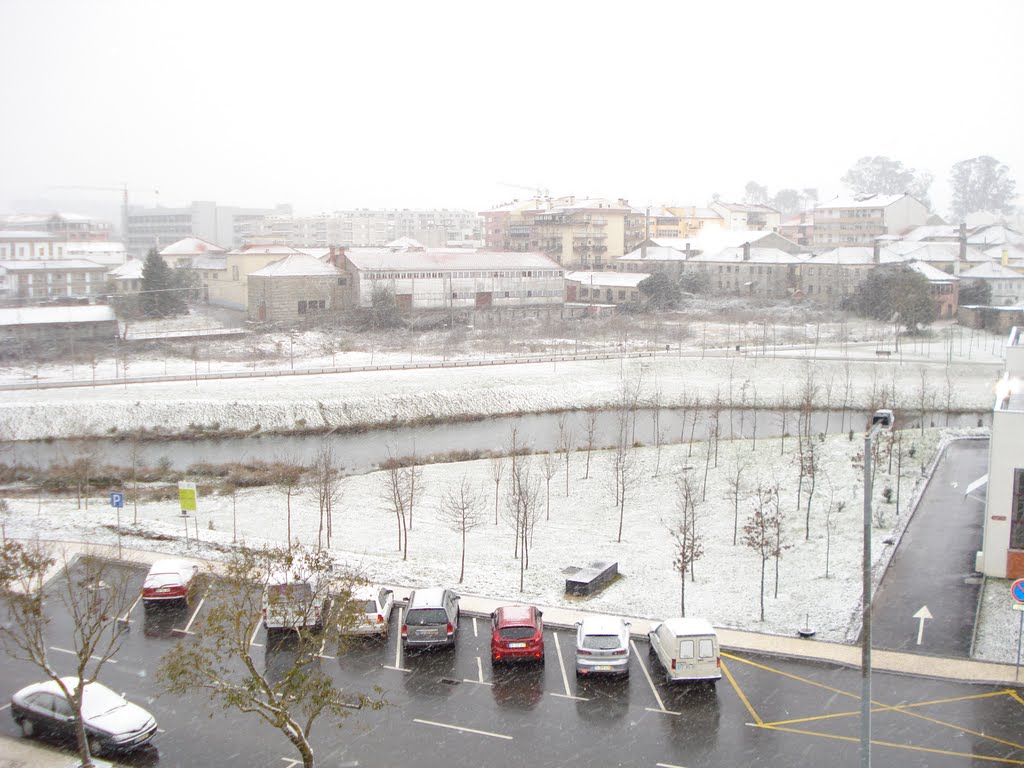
<point x="602" y="646"/>
<point x="687" y="649"/>
<point x="373" y="606"/>
<point x="169" y="580"/>
<point x="111" y="723"/>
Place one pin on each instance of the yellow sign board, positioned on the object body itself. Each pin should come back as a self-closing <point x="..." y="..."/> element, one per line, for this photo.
<point x="188" y="497"/>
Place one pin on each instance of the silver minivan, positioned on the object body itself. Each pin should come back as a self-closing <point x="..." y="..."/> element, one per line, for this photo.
<point x="432" y="617"/>
<point x="687" y="649"/>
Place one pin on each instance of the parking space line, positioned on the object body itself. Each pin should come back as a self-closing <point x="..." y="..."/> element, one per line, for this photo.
<point x="479" y="673"/>
<point x="475" y="633"/>
<point x="398" y="647"/>
<point x="292" y="762"/>
<point x="72" y="653"/>
<point x="5" y="706"/>
<point x="252" y="640"/>
<point x="124" y="619"/>
<point x="465" y="730"/>
<point x="667" y="765"/>
<point x="188" y="627"/>
<point x="565" y="677"/>
<point x="910" y="747"/>
<point x="743" y="696"/>
<point x="320" y="654"/>
<point x="650" y="682"/>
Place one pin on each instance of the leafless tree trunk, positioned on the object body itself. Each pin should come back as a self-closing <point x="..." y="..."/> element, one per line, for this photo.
<point x="566" y="442"/>
<point x="591" y="432"/>
<point x="289" y="480"/>
<point x="688" y="545"/>
<point x="549" y="467"/>
<point x="736" y="488"/>
<point x="325" y="482"/>
<point x="394" y="491"/>
<point x="497" y="471"/>
<point x="462" y="509"/>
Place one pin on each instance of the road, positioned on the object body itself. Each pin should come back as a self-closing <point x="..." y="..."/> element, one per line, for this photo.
<point x="933" y="566"/>
<point x="449" y="708"/>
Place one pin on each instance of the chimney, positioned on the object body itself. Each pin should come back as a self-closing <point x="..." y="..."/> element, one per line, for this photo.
<point x="1004" y="259"/>
<point x="746" y="251"/>
<point x="876" y="253"/>
<point x="687" y="251"/>
<point x="963" y="241"/>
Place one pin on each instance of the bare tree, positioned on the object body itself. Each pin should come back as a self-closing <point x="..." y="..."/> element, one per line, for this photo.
<point x="847" y="392"/>
<point x="566" y="443"/>
<point x="497" y="471"/>
<point x="288" y="479"/>
<point x="687" y="544"/>
<point x="325" y="483"/>
<point x="736" y="488"/>
<point x="87" y="593"/>
<point x="292" y="693"/>
<point x="656" y="404"/>
<point x="523" y="510"/>
<point x="717" y="406"/>
<point x="758" y="532"/>
<point x="810" y="470"/>
<point x="591" y="433"/>
<point x="395" y="492"/>
<point x="462" y="509"/>
<point x="414" y="474"/>
<point x="134" y="457"/>
<point x="827" y="388"/>
<point x="549" y="467"/>
<point x="925" y="395"/>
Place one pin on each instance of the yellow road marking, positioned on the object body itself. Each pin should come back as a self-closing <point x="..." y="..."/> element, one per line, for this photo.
<point x="743" y="697"/>
<point x="1016" y="696"/>
<point x="1007" y="760"/>
<point x="793" y="677"/>
<point x="892" y="707"/>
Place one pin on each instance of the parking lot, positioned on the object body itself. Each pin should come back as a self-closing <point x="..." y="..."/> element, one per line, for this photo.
<point x="449" y="708"/>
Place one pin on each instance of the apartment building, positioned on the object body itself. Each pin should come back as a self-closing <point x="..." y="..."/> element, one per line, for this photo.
<point x="747" y="217"/>
<point x="508" y="227"/>
<point x="1006" y="285"/>
<point x="64" y="278"/>
<point x="746" y="270"/>
<point x="65" y="227"/>
<point x="693" y="220"/>
<point x="158" y="227"/>
<point x="1002" y="553"/>
<point x="860" y="219"/>
<point x="371" y="227"/>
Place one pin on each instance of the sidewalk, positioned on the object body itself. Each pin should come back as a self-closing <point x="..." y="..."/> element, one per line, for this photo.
<point x="960" y="670"/>
<point x="29" y="753"/>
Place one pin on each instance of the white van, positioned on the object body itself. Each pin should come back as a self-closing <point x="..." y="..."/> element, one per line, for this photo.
<point x="294" y="600"/>
<point x="687" y="649"/>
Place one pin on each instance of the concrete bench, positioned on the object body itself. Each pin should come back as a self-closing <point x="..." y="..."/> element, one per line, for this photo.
<point x="589" y="579"/>
<point x="883" y="352"/>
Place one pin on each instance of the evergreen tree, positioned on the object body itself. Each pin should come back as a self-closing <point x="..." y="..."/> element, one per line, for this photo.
<point x="894" y="294"/>
<point x="162" y="292"/>
<point x="975" y="292"/>
<point x="982" y="184"/>
<point x="661" y="291"/>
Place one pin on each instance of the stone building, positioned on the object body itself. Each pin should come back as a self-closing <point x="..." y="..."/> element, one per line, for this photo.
<point x="298" y="288"/>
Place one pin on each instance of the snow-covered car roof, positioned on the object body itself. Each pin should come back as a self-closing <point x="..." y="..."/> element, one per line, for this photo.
<point x="602" y="625"/>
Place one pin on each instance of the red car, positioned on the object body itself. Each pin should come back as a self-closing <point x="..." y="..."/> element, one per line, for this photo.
<point x="517" y="632"/>
<point x="169" y="580"/>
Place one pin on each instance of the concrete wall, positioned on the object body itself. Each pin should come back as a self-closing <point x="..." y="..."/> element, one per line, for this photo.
<point x="277" y="299"/>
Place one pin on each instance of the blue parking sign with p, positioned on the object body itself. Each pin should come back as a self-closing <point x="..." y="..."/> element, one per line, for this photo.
<point x="117" y="499"/>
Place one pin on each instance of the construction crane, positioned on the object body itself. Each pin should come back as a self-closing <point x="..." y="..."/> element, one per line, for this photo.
<point x="123" y="190"/>
<point x="538" y="191"/>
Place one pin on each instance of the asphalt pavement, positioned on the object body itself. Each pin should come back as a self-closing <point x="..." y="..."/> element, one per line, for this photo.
<point x="928" y="599"/>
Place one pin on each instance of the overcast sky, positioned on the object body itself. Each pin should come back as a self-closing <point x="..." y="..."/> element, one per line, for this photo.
<point x="330" y="105"/>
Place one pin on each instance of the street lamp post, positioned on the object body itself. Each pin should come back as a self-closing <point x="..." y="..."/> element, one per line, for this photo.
<point x="882" y="420"/>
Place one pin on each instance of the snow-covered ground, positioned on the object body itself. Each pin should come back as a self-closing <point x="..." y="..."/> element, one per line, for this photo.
<point x="583" y="523"/>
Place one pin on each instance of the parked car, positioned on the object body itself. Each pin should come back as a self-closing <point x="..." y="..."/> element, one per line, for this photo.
<point x="374" y="606"/>
<point x="517" y="633"/>
<point x="169" y="580"/>
<point x="602" y="646"/>
<point x="111" y="723"/>
<point x="432" y="618"/>
<point x="687" y="649"/>
<point x="295" y="600"/>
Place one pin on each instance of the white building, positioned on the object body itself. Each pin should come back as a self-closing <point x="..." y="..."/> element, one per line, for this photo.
<point x="456" y="279"/>
<point x="604" y="287"/>
<point x="860" y="219"/>
<point x="747" y="217"/>
<point x="1007" y="284"/>
<point x="158" y="227"/>
<point x="1002" y="554"/>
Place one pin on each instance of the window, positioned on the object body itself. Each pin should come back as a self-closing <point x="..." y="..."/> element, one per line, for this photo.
<point x="234" y="273"/>
<point x="302" y="307"/>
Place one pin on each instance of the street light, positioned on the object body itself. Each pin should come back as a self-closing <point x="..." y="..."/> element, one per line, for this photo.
<point x="882" y="420"/>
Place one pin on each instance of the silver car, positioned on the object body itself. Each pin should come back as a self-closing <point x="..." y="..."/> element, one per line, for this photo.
<point x="602" y="646"/>
<point x="432" y="618"/>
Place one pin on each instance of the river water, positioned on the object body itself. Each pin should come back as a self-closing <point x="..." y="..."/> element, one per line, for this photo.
<point x="361" y="452"/>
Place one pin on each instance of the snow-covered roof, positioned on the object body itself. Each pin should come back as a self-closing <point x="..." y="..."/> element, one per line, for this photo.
<point x="853" y="255"/>
<point x="991" y="270"/>
<point x="718" y="239"/>
<point x="269" y="249"/>
<point x="747" y="208"/>
<point x="27" y="265"/>
<point x="385" y="259"/>
<point x="610" y="279"/>
<point x="757" y="256"/>
<point x="405" y="242"/>
<point x="93" y="313"/>
<point x="25" y="234"/>
<point x="191" y="246"/>
<point x="316" y="253"/>
<point x="934" y="275"/>
<point x="93" y="246"/>
<point x="130" y="270"/>
<point x="861" y="201"/>
<point x="936" y="251"/>
<point x="933" y="232"/>
<point x="1014" y="253"/>
<point x="655" y="253"/>
<point x="997" y="234"/>
<point x="297" y="265"/>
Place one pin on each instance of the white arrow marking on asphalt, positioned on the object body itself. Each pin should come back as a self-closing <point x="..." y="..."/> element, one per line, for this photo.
<point x="921" y="615"/>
